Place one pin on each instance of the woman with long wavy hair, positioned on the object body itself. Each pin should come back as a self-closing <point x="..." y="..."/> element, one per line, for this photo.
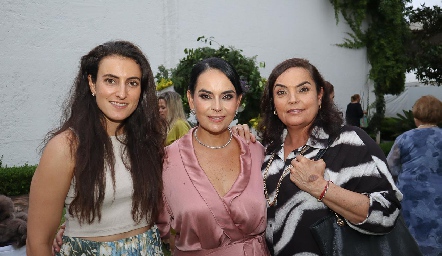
<point x="103" y="164"/>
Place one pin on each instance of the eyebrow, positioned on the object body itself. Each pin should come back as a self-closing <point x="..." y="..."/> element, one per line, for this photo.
<point x="114" y="76"/>
<point x="209" y="92"/>
<point x="301" y="84"/>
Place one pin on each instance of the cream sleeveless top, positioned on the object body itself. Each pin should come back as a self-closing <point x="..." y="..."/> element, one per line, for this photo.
<point x="116" y="210"/>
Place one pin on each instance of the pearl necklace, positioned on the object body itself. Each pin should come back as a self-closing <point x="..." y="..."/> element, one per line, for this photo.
<point x="213" y="147"/>
<point x="426" y="125"/>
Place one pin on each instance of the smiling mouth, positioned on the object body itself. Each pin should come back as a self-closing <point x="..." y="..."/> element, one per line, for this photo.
<point x="217" y="118"/>
<point x="119" y="104"/>
<point x="295" y="111"/>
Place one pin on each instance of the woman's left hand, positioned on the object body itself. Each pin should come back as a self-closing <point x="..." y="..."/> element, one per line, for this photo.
<point x="243" y="130"/>
<point x="308" y="174"/>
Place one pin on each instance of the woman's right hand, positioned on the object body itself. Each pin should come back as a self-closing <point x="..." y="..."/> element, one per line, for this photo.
<point x="58" y="240"/>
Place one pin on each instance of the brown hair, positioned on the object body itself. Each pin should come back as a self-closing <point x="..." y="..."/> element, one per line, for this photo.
<point x="329" y="87"/>
<point x="428" y="109"/>
<point x="355" y="97"/>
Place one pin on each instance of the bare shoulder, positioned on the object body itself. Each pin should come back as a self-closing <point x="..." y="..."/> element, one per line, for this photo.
<point x="61" y="142"/>
<point x="58" y="154"/>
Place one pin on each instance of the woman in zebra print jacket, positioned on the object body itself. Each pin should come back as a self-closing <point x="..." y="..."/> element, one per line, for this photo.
<point x="352" y="178"/>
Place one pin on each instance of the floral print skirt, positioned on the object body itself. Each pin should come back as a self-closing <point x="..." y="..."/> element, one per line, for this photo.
<point x="145" y="244"/>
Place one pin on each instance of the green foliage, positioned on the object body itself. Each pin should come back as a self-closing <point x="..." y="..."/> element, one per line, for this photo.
<point x="388" y="129"/>
<point x="16" y="180"/>
<point x="425" y="46"/>
<point x="386" y="146"/>
<point x="246" y="67"/>
<point x="404" y="122"/>
<point x="391" y="127"/>
<point x="163" y="73"/>
<point x="385" y="34"/>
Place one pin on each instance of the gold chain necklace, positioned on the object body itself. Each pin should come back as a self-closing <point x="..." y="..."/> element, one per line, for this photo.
<point x="284" y="173"/>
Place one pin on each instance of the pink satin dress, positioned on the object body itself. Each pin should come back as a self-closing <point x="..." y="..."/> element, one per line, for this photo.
<point x="205" y="223"/>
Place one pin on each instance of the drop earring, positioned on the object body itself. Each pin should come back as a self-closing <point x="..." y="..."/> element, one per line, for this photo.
<point x="193" y="112"/>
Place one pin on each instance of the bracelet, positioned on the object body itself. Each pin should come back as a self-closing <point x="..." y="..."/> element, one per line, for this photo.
<point x="324" y="191"/>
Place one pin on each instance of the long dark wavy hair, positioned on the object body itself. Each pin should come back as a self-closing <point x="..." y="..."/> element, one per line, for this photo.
<point x="91" y="147"/>
<point x="270" y="127"/>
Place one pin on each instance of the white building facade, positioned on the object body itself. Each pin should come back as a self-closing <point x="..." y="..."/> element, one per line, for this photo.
<point x="42" y="41"/>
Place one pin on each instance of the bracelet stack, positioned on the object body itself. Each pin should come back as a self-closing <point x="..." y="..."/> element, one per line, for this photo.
<point x="324" y="191"/>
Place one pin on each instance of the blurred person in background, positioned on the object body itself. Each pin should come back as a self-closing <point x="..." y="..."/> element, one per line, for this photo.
<point x="171" y="109"/>
<point x="354" y="111"/>
<point x="415" y="161"/>
<point x="331" y="90"/>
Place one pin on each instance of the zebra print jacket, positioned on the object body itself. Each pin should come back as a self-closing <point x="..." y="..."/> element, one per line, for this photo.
<point x="353" y="161"/>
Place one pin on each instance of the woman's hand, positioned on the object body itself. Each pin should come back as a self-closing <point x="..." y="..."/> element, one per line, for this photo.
<point x="243" y="131"/>
<point x="58" y="240"/>
<point x="308" y="175"/>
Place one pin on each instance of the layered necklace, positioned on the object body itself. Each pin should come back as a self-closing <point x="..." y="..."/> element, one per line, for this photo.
<point x="213" y="147"/>
<point x="284" y="173"/>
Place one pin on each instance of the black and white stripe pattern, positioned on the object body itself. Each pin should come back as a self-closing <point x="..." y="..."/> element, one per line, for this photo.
<point x="355" y="162"/>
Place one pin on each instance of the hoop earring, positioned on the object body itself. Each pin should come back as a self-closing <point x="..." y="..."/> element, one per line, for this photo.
<point x="274" y="112"/>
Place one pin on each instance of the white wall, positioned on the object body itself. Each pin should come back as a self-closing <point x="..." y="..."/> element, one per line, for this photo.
<point x="396" y="104"/>
<point x="41" y="43"/>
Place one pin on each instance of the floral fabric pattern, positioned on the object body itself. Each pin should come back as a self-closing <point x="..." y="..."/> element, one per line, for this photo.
<point x="416" y="161"/>
<point x="146" y="244"/>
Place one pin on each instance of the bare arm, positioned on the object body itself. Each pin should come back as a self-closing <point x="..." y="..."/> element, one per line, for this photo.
<point x="308" y="176"/>
<point x="49" y="188"/>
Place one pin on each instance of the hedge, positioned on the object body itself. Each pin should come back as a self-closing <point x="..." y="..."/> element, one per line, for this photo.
<point x="16" y="180"/>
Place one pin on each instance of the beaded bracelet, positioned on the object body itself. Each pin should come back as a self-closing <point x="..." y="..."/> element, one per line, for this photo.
<point x="324" y="191"/>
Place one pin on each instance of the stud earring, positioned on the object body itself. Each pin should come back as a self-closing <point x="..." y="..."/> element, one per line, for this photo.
<point x="93" y="94"/>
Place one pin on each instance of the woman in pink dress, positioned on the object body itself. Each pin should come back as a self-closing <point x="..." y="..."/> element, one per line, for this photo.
<point x="213" y="188"/>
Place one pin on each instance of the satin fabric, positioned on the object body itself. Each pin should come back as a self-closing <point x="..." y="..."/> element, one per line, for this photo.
<point x="205" y="223"/>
